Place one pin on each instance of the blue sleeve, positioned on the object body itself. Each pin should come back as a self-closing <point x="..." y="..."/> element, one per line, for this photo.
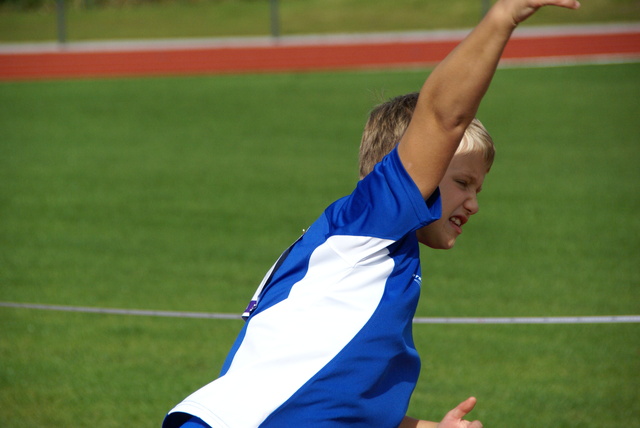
<point x="195" y="423"/>
<point x="385" y="204"/>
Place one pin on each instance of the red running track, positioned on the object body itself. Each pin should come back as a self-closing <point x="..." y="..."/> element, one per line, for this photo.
<point x="552" y="45"/>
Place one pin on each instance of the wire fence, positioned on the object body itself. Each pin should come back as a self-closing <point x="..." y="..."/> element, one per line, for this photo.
<point x="274" y="18"/>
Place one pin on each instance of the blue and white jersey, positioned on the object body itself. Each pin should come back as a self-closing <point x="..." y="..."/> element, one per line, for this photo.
<point x="329" y="343"/>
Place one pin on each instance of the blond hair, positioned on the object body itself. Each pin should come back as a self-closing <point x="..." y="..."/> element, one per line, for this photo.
<point x="388" y="121"/>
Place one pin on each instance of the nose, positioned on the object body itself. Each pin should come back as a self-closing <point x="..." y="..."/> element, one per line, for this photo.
<point x="471" y="204"/>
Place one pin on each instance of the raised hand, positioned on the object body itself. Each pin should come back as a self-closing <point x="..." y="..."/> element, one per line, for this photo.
<point x="520" y="10"/>
<point x="453" y="419"/>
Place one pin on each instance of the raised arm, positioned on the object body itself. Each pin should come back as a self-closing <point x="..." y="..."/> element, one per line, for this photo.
<point x="451" y="95"/>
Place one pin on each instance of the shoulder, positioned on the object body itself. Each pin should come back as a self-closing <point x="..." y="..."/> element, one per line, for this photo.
<point x="387" y="193"/>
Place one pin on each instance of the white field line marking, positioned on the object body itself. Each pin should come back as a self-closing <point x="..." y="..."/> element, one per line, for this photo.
<point x="569" y="61"/>
<point x="112" y="311"/>
<point x="521" y="63"/>
<point x="532" y="320"/>
<point x="417" y="320"/>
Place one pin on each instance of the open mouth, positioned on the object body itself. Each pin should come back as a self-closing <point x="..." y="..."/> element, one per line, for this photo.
<point x="457" y="222"/>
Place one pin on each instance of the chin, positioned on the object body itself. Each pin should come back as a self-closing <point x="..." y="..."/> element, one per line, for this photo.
<point x="445" y="246"/>
<point x="437" y="244"/>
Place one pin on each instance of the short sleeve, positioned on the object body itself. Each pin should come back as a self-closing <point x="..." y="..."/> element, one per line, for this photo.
<point x="385" y="204"/>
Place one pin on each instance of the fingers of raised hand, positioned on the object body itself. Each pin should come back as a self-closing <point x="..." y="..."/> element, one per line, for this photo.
<point x="571" y="4"/>
<point x="523" y="9"/>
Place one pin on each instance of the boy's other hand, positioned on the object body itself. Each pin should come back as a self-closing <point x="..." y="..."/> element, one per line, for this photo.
<point x="520" y="10"/>
<point x="453" y="419"/>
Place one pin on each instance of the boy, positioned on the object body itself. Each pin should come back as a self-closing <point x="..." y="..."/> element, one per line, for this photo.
<point x="328" y="340"/>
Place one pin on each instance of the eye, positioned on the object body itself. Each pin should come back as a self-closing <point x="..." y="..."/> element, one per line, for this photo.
<point x="462" y="183"/>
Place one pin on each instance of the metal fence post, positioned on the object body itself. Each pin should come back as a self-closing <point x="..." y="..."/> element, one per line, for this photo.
<point x="62" y="28"/>
<point x="275" y="18"/>
<point x="486" y="5"/>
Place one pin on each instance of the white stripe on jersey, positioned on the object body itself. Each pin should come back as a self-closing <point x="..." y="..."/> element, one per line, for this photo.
<point x="287" y="344"/>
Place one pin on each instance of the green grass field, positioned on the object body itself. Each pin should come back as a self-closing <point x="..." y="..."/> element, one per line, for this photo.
<point x="131" y="19"/>
<point x="178" y="194"/>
